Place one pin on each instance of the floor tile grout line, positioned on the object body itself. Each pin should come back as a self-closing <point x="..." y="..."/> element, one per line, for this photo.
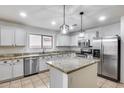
<point x="32" y="83"/>
<point x="21" y="83"/>
<point x="111" y="82"/>
<point x="42" y="81"/>
<point x="9" y="84"/>
<point x="103" y="83"/>
<point x="29" y="78"/>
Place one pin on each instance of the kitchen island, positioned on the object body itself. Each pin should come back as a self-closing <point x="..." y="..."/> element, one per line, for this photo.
<point x="73" y="72"/>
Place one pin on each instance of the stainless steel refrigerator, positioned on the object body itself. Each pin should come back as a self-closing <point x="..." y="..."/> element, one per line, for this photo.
<point x="109" y="48"/>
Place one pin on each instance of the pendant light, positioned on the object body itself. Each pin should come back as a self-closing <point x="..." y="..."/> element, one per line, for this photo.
<point x="82" y="33"/>
<point x="64" y="28"/>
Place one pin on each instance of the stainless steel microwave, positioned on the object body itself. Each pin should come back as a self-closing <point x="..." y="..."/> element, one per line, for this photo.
<point x="84" y="43"/>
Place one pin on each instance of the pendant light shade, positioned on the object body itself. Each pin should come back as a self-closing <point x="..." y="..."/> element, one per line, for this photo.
<point x="64" y="28"/>
<point x="82" y="33"/>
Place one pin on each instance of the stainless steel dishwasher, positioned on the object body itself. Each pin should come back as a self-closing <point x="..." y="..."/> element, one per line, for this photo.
<point x="31" y="66"/>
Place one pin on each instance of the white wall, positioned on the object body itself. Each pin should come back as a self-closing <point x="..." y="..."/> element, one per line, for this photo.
<point x="32" y="30"/>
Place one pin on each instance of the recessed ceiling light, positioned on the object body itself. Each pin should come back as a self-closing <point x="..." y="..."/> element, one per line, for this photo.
<point x="102" y="18"/>
<point x="53" y="23"/>
<point x="23" y="14"/>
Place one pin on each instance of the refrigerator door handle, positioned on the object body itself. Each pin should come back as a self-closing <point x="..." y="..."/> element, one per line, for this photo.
<point x="103" y="53"/>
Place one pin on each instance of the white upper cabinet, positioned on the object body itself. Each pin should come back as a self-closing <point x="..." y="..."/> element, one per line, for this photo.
<point x="63" y="40"/>
<point x="74" y="40"/>
<point x="12" y="36"/>
<point x="7" y="36"/>
<point x="20" y="37"/>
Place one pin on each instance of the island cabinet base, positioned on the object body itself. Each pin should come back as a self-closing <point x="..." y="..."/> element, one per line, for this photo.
<point x="82" y="78"/>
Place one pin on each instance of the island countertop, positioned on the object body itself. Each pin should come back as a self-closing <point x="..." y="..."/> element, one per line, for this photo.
<point x="69" y="65"/>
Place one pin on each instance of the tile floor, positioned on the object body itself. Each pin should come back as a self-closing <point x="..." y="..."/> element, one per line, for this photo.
<point x="104" y="83"/>
<point x="42" y="81"/>
<point x="35" y="81"/>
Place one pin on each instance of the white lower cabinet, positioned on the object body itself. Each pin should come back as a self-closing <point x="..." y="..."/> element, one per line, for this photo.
<point x="5" y="70"/>
<point x="10" y="69"/>
<point x="42" y="64"/>
<point x="18" y="68"/>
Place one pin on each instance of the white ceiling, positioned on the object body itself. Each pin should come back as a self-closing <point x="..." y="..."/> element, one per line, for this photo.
<point x="42" y="15"/>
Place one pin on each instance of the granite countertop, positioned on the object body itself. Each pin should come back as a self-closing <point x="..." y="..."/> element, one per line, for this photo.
<point x="69" y="65"/>
<point x="25" y="55"/>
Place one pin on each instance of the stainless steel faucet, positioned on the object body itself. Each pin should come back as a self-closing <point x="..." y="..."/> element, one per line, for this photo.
<point x="44" y="50"/>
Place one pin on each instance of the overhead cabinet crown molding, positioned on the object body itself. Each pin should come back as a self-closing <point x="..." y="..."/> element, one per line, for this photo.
<point x="12" y="36"/>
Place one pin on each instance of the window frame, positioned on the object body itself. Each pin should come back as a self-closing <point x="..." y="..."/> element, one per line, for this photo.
<point x="29" y="41"/>
<point x="51" y="41"/>
<point x="41" y="41"/>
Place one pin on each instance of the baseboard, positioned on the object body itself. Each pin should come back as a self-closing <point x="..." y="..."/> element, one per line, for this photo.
<point x="115" y="80"/>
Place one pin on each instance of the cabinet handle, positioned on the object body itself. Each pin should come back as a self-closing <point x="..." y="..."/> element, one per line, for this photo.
<point x="5" y="62"/>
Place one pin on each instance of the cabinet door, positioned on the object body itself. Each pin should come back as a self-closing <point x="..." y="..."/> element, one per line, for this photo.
<point x="63" y="40"/>
<point x="20" y="37"/>
<point x="5" y="70"/>
<point x="18" y="68"/>
<point x="58" y="40"/>
<point x="7" y="36"/>
<point x="43" y="66"/>
<point x="67" y="40"/>
<point x="74" y="40"/>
